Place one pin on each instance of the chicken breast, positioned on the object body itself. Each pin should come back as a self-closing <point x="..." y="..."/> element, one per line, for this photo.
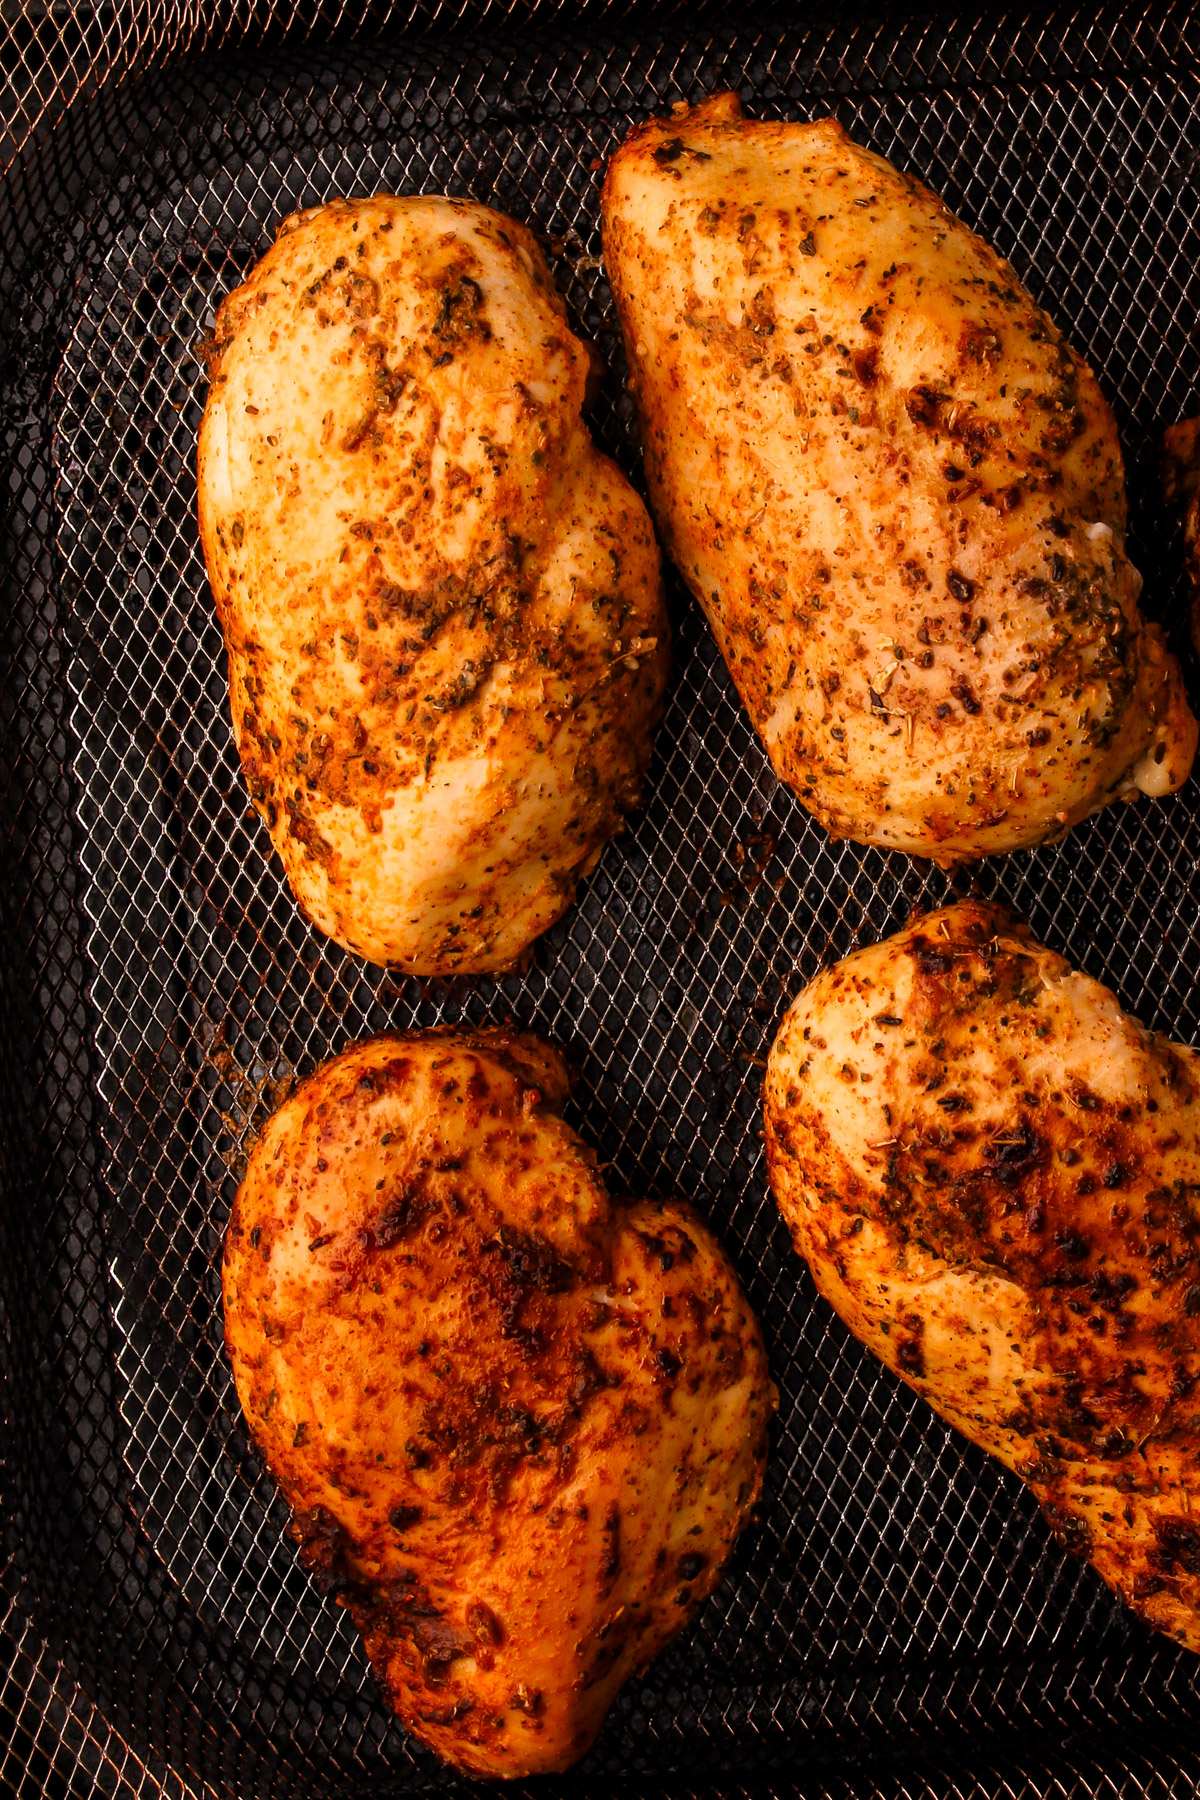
<point x="993" y="1173"/>
<point x="894" y="489"/>
<point x="442" y="605"/>
<point x="518" y="1424"/>
<point x="1180" y="469"/>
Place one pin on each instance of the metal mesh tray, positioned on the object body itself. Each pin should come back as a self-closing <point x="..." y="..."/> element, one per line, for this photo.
<point x="901" y="1620"/>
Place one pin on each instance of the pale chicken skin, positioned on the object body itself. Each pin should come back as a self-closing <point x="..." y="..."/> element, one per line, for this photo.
<point x="894" y="489"/>
<point x="442" y="605"/>
<point x="518" y="1424"/>
<point x="994" y="1175"/>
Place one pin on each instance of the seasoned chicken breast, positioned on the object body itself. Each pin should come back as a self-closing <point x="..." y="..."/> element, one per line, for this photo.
<point x="994" y="1175"/>
<point x="518" y="1424"/>
<point x="1181" y="485"/>
<point x="442" y="605"/>
<point x="894" y="489"/>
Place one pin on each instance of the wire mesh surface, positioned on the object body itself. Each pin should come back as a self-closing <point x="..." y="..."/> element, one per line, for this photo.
<point x="900" y="1621"/>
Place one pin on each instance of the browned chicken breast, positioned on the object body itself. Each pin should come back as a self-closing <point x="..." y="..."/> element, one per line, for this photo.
<point x="894" y="489"/>
<point x="1181" y="484"/>
<point x="993" y="1173"/>
<point x="518" y="1424"/>
<point x="443" y="608"/>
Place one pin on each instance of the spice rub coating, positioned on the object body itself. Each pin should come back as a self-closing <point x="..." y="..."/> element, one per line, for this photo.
<point x="893" y="487"/>
<point x="442" y="605"/>
<point x="1180" y="471"/>
<point x="518" y="1424"/>
<point x="994" y="1175"/>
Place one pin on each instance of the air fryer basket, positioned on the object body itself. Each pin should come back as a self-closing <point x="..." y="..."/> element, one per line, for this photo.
<point x="901" y="1620"/>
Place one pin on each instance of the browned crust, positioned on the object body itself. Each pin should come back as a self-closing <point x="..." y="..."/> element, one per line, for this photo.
<point x="1013" y="1214"/>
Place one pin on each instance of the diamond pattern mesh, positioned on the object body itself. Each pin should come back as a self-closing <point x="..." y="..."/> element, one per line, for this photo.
<point x="900" y="1622"/>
